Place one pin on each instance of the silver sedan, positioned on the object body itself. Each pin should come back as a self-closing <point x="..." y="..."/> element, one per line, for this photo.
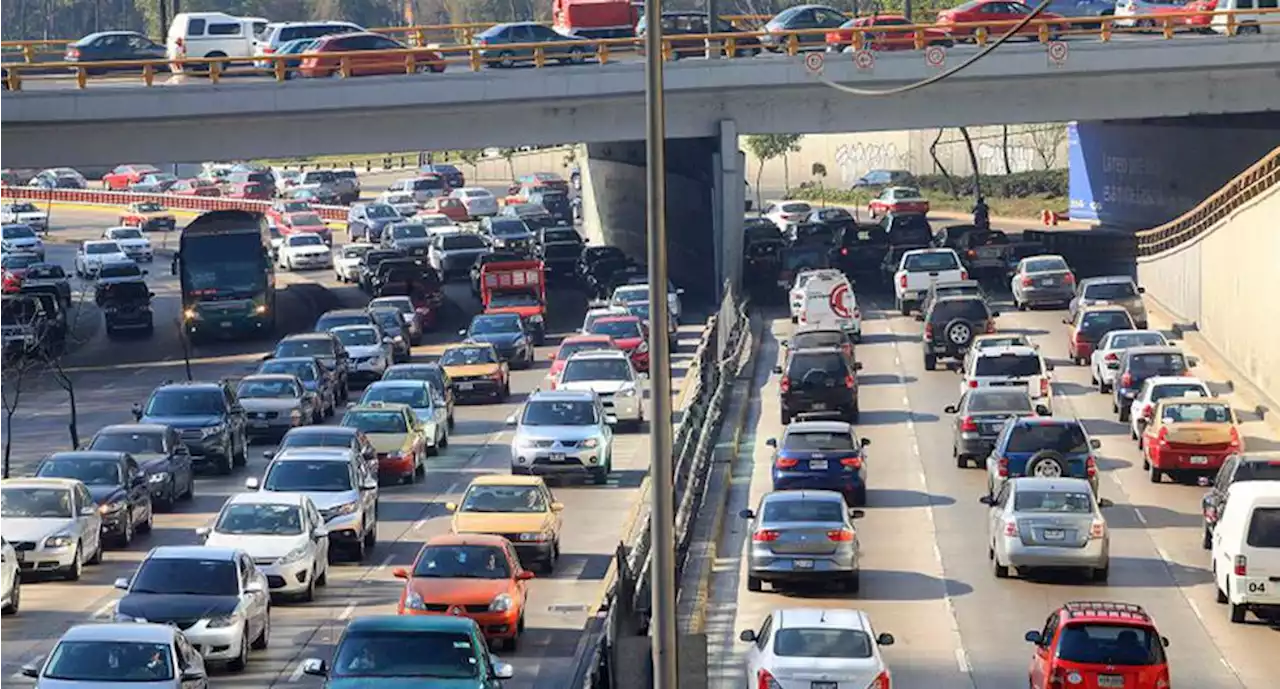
<point x="1050" y="523"/>
<point x="803" y="536"/>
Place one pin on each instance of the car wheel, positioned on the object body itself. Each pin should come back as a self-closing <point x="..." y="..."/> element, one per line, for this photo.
<point x="998" y="569"/>
<point x="15" y="595"/>
<point x="96" y="557"/>
<point x="126" y="535"/>
<point x="444" y="441"/>
<point x="1104" y="387"/>
<point x="1237" y="612"/>
<point x="962" y="461"/>
<point x="371" y="538"/>
<point x="238" y="663"/>
<point x="145" y="527"/>
<point x="1155" y="474"/>
<point x="264" y="636"/>
<point x="1207" y="541"/>
<point x="224" y="466"/>
<point x="451" y="423"/>
<point x="754" y="584"/>
<point x="506" y="59"/>
<point x="171" y="493"/>
<point x="904" y="308"/>
<point x="73" y="571"/>
<point x="310" y="594"/>
<point x="600" y="477"/>
<point x="242" y="455"/>
<point x="930" y="362"/>
<point x="1100" y="574"/>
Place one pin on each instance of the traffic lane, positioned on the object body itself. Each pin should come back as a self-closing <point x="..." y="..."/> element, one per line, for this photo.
<point x="1140" y="571"/>
<point x="904" y="588"/>
<point x="936" y="218"/>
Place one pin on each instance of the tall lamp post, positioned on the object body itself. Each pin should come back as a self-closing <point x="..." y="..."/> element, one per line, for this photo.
<point x="662" y="522"/>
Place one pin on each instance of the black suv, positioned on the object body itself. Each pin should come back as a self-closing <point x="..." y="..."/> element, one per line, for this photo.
<point x="1251" y="466"/>
<point x="1137" y="364"/>
<point x="369" y="266"/>
<point x="819" y="380"/>
<point x="34" y="324"/>
<point x="557" y="205"/>
<point x="207" y="416"/>
<point x="950" y="326"/>
<point x="126" y="305"/>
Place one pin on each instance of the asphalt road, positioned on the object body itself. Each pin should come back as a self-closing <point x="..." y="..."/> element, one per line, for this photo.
<point x="925" y="573"/>
<point x="111" y="375"/>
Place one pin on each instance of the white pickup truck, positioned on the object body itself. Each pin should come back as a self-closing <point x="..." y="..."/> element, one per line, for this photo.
<point x="920" y="268"/>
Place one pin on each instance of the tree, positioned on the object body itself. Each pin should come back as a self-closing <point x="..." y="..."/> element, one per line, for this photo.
<point x="942" y="169"/>
<point x="766" y="147"/>
<point x="820" y="171"/>
<point x="1004" y="148"/>
<point x="471" y="156"/>
<point x="52" y="355"/>
<point x="508" y="154"/>
<point x="973" y="162"/>
<point x="16" y="371"/>
<point x="1046" y="140"/>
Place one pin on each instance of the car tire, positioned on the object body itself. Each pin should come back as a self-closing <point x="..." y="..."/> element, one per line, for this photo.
<point x="962" y="461"/>
<point x="1220" y="596"/>
<point x="1104" y="388"/>
<point x="242" y="457"/>
<point x="15" y="596"/>
<point x="860" y="496"/>
<point x="1100" y="574"/>
<point x="322" y="579"/>
<point x="1124" y="414"/>
<point x="600" y="477"/>
<point x="371" y="536"/>
<point x="145" y="527"/>
<point x="224" y="465"/>
<point x="904" y="308"/>
<point x="73" y="571"/>
<point x="1237" y="612"/>
<point x="854" y="412"/>
<point x="166" y="504"/>
<point x="1207" y="541"/>
<point x="1154" y="474"/>
<point x="309" y="594"/>
<point x="126" y="535"/>
<point x="96" y="558"/>
<point x="1001" y="571"/>
<point x="930" y="362"/>
<point x="754" y="584"/>
<point x="239" y="663"/>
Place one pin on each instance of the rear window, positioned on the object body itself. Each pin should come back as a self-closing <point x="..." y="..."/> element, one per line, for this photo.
<point x="1264" y="528"/>
<point x="796" y="208"/>
<point x="462" y="241"/>
<point x="971" y="310"/>
<point x="1053" y="501"/>
<point x="818" y="441"/>
<point x="910" y="229"/>
<point x="224" y="29"/>
<point x="1105" y="321"/>
<point x="819" y="339"/>
<point x="1064" y="438"/>
<point x="1157" y="364"/>
<point x="803" y="511"/>
<point x="1110" y="290"/>
<point x="1137" y="340"/>
<point x="1110" y="644"/>
<point x="999" y="400"/>
<point x="1197" y="413"/>
<point x="822" y="643"/>
<point x="804" y="365"/>
<point x="931" y="262"/>
<point x="1046" y="265"/>
<point x="1016" y="365"/>
<point x="1258" y="471"/>
<point x="1167" y="391"/>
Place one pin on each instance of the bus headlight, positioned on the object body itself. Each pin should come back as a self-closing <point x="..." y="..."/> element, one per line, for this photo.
<point x="190" y="314"/>
<point x="259" y="309"/>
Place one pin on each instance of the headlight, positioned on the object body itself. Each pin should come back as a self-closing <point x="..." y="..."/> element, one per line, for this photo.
<point x="340" y="510"/>
<point x="527" y="443"/>
<point x="190" y="314"/>
<point x="61" y="540"/>
<point x="414" y="601"/>
<point x="626" y="392"/>
<point x="293" y="555"/>
<point x="590" y="443"/>
<point x="223" y="622"/>
<point x="260" y="309"/>
<point x="501" y="603"/>
<point x="108" y="508"/>
<point x="158" y="477"/>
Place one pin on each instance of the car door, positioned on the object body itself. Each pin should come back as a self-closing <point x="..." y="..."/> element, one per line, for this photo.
<point x="995" y="515"/>
<point x="1042" y="658"/>
<point x="255" y="603"/>
<point x="235" y="412"/>
<point x="316" y="522"/>
<point x="179" y="458"/>
<point x="756" y="654"/>
<point x="381" y="63"/>
<point x="137" y="490"/>
<point x="88" y="519"/>
<point x="1216" y="497"/>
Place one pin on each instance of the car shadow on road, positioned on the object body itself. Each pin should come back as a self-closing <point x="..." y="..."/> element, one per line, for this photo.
<point x="886" y="338"/>
<point x="1098" y="427"/>
<point x="884" y="379"/>
<point x="888" y="585"/>
<point x="1128" y="572"/>
<point x="1153" y="517"/>
<point x="882" y="498"/>
<point x="890" y="417"/>
<point x="581" y="566"/>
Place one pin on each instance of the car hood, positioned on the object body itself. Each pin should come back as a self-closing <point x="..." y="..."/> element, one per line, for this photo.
<point x="23" y="241"/>
<point x="269" y="404"/>
<point x="397" y="683"/>
<point x="162" y="607"/>
<point x="152" y="462"/>
<point x="500" y="522"/>
<point x="259" y="547"/>
<point x="362" y="351"/>
<point x="603" y="387"/>
<point x="387" y="442"/>
<point x="499" y="339"/>
<point x="574" y="433"/>
<point x="181" y="422"/>
<point x="34" y="528"/>
<point x="105" y="494"/>
<point x="469" y="370"/>
<point x="134" y="242"/>
<point x="459" y="591"/>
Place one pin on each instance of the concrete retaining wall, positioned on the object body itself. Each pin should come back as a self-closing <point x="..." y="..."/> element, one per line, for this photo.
<point x="1227" y="281"/>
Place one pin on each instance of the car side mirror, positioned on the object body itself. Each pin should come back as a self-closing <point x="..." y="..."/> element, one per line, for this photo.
<point x="1142" y="290"/>
<point x="268" y="454"/>
<point x="857" y="366"/>
<point x="1042" y="410"/>
<point x="920" y="317"/>
<point x="122" y="584"/>
<point x="192" y="674"/>
<point x="315" y="667"/>
<point x="252" y="483"/>
<point x="557" y="507"/>
<point x="511" y="420"/>
<point x="857" y="514"/>
<point x="995" y="314"/>
<point x="1104" y="503"/>
<point x="1032" y="637"/>
<point x="885" y="639"/>
<point x="1193" y="362"/>
<point x="1064" y="322"/>
<point x="1048" y="366"/>
<point x="151" y="295"/>
<point x="319" y="532"/>
<point x="451" y="507"/>
<point x="1205" y="482"/>
<point x="1164" y="641"/>
<point x="369" y="484"/>
<point x="747" y="635"/>
<point x="777" y="370"/>
<point x="203" y="532"/>
<point x="783" y="343"/>
<point x="400" y="573"/>
<point x="32" y="669"/>
<point x="1095" y="443"/>
<point x="951" y="409"/>
<point x="462" y="333"/>
<point x="747" y="514"/>
<point x="524" y="575"/>
<point x="986" y="500"/>
<point x="771" y="442"/>
<point x="503" y="670"/>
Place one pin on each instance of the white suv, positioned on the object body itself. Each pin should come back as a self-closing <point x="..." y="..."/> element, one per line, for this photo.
<point x="797" y="295"/>
<point x="1014" y="367"/>
<point x="609" y="374"/>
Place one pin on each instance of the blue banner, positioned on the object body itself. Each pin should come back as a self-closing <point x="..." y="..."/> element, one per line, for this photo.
<point x="1083" y="208"/>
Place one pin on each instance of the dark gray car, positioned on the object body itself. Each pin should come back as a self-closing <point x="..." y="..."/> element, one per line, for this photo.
<point x="1117" y="290"/>
<point x="980" y="415"/>
<point x="1045" y="279"/>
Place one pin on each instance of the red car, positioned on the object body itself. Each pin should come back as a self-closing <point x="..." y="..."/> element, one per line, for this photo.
<point x="898" y="200"/>
<point x="248" y="190"/>
<point x="998" y="16"/>
<point x="1200" y="22"/>
<point x="195" y="187"/>
<point x="629" y="334"/>
<point x="1091" y="644"/>
<point x="317" y="64"/>
<point x="887" y="35"/>
<point x="447" y="206"/>
<point x="122" y="176"/>
<point x="306" y="221"/>
<point x="572" y="345"/>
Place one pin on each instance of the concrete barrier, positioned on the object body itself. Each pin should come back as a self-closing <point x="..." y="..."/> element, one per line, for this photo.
<point x="102" y="197"/>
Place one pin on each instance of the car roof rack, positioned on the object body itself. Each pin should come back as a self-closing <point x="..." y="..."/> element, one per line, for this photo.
<point x="1105" y="609"/>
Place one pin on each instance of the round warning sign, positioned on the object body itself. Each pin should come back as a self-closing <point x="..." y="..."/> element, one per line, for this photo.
<point x="864" y="59"/>
<point x="1057" y="52"/>
<point x="813" y="62"/>
<point x="935" y="56"/>
<point x="837" y="301"/>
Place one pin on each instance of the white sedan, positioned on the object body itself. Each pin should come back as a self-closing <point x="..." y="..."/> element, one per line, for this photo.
<point x="477" y="200"/>
<point x="346" y="267"/>
<point x="10" y="579"/>
<point x="437" y="223"/>
<point x="94" y="253"/>
<point x="787" y="214"/>
<point x="283" y="532"/>
<point x="813" y="647"/>
<point x="305" y="250"/>
<point x="135" y="244"/>
<point x="1104" y="362"/>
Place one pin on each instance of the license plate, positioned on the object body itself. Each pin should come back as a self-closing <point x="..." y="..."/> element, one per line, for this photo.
<point x="466" y="386"/>
<point x="557" y="456"/>
<point x="1054" y="534"/>
<point x="823" y="685"/>
<point x="1199" y="459"/>
<point x="1110" y="680"/>
<point x="804" y="564"/>
<point x="818" y="464"/>
<point x="1046" y="282"/>
<point x="819" y="405"/>
<point x="225" y="324"/>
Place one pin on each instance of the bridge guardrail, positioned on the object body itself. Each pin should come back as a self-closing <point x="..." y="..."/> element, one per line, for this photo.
<point x="625" y="607"/>
<point x="102" y="197"/>
<point x="1258" y="178"/>
<point x="474" y="57"/>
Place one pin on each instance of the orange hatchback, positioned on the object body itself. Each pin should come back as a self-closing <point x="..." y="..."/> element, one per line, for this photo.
<point x="316" y="63"/>
<point x="447" y="206"/>
<point x="1098" y="645"/>
<point x="472" y="575"/>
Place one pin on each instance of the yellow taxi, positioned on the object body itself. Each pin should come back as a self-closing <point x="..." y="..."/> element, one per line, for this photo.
<point x="1190" y="436"/>
<point x="476" y="371"/>
<point x="519" y="508"/>
<point x="397" y="435"/>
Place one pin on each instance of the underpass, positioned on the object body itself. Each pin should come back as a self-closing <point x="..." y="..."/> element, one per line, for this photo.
<point x="111" y="375"/>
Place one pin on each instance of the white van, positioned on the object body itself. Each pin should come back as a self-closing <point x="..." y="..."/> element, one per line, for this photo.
<point x="212" y="34"/>
<point x="1246" y="549"/>
<point x="1247" y="22"/>
<point x="830" y="301"/>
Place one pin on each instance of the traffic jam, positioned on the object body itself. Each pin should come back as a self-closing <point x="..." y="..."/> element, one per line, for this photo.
<point x="347" y="411"/>
<point x="1048" y="515"/>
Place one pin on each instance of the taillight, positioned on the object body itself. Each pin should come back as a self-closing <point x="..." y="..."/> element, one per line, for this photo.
<point x="902" y="281"/>
<point x="1098" y="529"/>
<point x="1211" y="513"/>
<point x="1235" y="438"/>
<point x="928" y="331"/>
<point x="1111" y="357"/>
<point x="848" y="383"/>
<point x="1011" y="527"/>
<point x="971" y="253"/>
<point x="73" y="52"/>
<point x="1163" y="681"/>
<point x="973" y="383"/>
<point x="1090" y="466"/>
<point x="1002" y="466"/>
<point x="1163" y="436"/>
<point x="764" y="680"/>
<point x="851" y="462"/>
<point x="964" y="275"/>
<point x="1148" y="410"/>
<point x="765" y="536"/>
<point x="968" y="425"/>
<point x="881" y="681"/>
<point x="844" y="252"/>
<point x="1044" y="387"/>
<point x="1027" y="282"/>
<point x="848" y="349"/>
<point x="840" y="535"/>
<point x="268" y="50"/>
<point x="991" y="326"/>
<point x="1126" y="380"/>
<point x="1242" y="566"/>
<point x="1069" y="279"/>
<point x="785" y="384"/>
<point x="786" y="463"/>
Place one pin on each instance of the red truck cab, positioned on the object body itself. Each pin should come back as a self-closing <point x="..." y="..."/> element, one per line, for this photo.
<point x="595" y="18"/>
<point x="517" y="287"/>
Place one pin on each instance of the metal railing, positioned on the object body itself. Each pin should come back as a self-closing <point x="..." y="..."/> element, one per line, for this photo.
<point x="100" y="197"/>
<point x="625" y="609"/>
<point x="1247" y="185"/>
<point x="738" y="45"/>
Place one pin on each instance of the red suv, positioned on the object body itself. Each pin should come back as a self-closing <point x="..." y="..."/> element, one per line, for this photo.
<point x="376" y="60"/>
<point x="1098" y="645"/>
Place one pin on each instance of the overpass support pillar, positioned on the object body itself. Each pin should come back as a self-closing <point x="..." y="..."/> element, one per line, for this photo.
<point x="705" y="198"/>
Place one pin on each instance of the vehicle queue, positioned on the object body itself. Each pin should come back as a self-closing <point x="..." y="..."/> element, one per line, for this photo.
<point x="1045" y="511"/>
<point x="317" y="501"/>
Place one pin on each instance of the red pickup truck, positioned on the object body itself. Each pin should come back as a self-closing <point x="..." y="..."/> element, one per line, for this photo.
<point x="517" y="287"/>
<point x="595" y="18"/>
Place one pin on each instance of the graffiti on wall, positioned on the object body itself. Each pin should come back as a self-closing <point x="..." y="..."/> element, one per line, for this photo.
<point x="855" y="160"/>
<point x="991" y="158"/>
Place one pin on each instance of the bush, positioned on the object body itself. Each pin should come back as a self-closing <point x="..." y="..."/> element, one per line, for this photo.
<point x="1015" y="186"/>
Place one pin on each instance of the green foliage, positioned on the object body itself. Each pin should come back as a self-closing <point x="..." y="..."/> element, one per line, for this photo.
<point x="1017" y="185"/>
<point x="766" y="147"/>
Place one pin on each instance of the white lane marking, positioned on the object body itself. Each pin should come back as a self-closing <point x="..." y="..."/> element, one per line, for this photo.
<point x="1163" y="555"/>
<point x="453" y="488"/>
<point x="347" y="611"/>
<point x="419" y="524"/>
<point x="385" y="561"/>
<point x="1138" y="513"/>
<point x="1230" y="668"/>
<point x="906" y="400"/>
<point x="297" y="673"/>
<point x="962" y="660"/>
<point x="1195" y="608"/>
<point x="104" y="611"/>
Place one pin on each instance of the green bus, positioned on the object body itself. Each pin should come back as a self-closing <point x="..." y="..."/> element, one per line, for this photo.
<point x="224" y="265"/>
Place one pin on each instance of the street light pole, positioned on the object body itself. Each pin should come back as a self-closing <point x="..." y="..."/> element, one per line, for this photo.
<point x="662" y="575"/>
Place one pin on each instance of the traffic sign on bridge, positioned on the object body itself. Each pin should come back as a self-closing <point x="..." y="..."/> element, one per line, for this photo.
<point x="864" y="60"/>
<point x="813" y="63"/>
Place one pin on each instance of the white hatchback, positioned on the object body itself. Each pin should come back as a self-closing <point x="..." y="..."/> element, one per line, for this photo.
<point x="815" y="647"/>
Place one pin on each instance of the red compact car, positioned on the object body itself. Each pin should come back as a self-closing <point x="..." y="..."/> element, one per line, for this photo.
<point x="998" y="16"/>
<point x="572" y="345"/>
<point x="122" y="176"/>
<point x="629" y="334"/>
<point x="447" y="206"/>
<point x="306" y="221"/>
<point x="884" y="32"/>
<point x="318" y="64"/>
<point x="248" y="190"/>
<point x="195" y="187"/>
<point x="1098" y="645"/>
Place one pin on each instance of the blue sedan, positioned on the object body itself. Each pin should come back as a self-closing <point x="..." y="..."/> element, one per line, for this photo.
<point x="493" y="44"/>
<point x="821" y="455"/>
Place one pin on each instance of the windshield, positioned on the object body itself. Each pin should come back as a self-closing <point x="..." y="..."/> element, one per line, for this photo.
<point x="631" y="294"/>
<point x="509" y="229"/>
<point x="972" y="310"/>
<point x="803" y="511"/>
<point x="18" y="232"/>
<point x="376" y="421"/>
<point x="123" y="292"/>
<point x="306" y="240"/>
<point x="1045" y="265"/>
<point x="517" y="499"/>
<point x="182" y="402"/>
<point x="568" y="349"/>
<point x="435" y="220"/>
<point x="818" y="441"/>
<point x="462" y="241"/>
<point x="793" y="208"/>
<point x="461" y="562"/>
<point x="931" y="262"/>
<point x="1129" y="340"/>
<point x="1059" y="502"/>
<point x="467" y="356"/>
<point x="1099" y="323"/>
<point x="616" y="329"/>
<point x="23" y="208"/>
<point x="301" y="476"/>
<point x="304" y="370"/>
<point x="97" y="248"/>
<point x="380" y="210"/>
<point x="1178" y="390"/>
<point x="35" y="503"/>
<point x="225" y="264"/>
<point x="409" y="232"/>
<point x="829" y="364"/>
<point x="390" y="319"/>
<point x="317" y="440"/>
<point x="1197" y="412"/>
<point x="110" y="661"/>
<point x="413" y="396"/>
<point x="513" y="299"/>
<point x="401" y="654"/>
<point x="305" y="219"/>
<point x="1063" y="438"/>
<point x="1110" y="290"/>
<point x="307" y="347"/>
<point x="1008" y="365"/>
<point x="93" y="472"/>
<point x="555" y="236"/>
<point x="793" y="642"/>
<point x="192" y="576"/>
<point x="560" y="413"/>
<point x="357" y="337"/>
<point x="260" y="520"/>
<point x="613" y="368"/>
<point x="129" y="441"/>
<point x="491" y="325"/>
<point x="639" y="309"/>
<point x="996" y="400"/>
<point x="269" y="388"/>
<point x="20" y="260"/>
<point x="1110" y="644"/>
<point x="126" y="234"/>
